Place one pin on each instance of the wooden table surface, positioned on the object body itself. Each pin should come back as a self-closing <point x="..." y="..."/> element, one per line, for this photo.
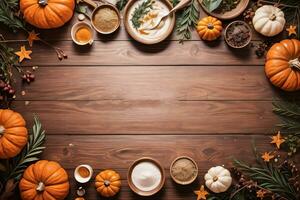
<point x="116" y="101"/>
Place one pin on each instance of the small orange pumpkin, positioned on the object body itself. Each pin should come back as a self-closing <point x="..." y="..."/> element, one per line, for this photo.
<point x="108" y="183"/>
<point x="209" y="28"/>
<point x="13" y="133"/>
<point x="44" y="180"/>
<point x="282" y="65"/>
<point x="47" y="14"/>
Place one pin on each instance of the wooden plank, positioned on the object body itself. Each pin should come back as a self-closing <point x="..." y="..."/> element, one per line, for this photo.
<point x="149" y="82"/>
<point x="151" y="116"/>
<point x="118" y="152"/>
<point x="133" y="53"/>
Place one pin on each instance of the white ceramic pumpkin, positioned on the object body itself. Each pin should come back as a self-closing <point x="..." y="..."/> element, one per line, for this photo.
<point x="218" y="179"/>
<point x="268" y="20"/>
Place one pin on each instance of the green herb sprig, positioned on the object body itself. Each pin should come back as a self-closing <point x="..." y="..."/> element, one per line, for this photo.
<point x="187" y="21"/>
<point x="140" y="12"/>
<point x="121" y="4"/>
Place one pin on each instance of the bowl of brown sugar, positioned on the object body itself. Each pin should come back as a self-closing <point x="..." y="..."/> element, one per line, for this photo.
<point x="106" y="19"/>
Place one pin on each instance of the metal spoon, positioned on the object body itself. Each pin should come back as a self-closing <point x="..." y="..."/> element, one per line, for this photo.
<point x="180" y="5"/>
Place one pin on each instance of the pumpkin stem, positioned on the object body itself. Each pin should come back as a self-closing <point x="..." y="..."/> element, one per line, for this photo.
<point x="43" y="2"/>
<point x="215" y="178"/>
<point x="272" y="17"/>
<point x="40" y="187"/>
<point x="2" y="129"/>
<point x="210" y="26"/>
<point x="295" y="63"/>
<point x="106" y="183"/>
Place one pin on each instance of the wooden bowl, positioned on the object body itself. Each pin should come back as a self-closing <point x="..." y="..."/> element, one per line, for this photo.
<point x="185" y="182"/>
<point x="138" y="38"/>
<point x="137" y="190"/>
<point x="233" y="23"/>
<point x="230" y="14"/>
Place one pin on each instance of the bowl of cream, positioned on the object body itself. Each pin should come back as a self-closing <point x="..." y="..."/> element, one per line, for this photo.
<point x="146" y="176"/>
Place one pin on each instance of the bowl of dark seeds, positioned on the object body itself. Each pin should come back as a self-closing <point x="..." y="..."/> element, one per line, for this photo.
<point x="238" y="34"/>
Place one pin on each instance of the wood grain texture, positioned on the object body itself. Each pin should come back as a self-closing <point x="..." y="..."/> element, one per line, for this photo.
<point x="149" y="82"/>
<point x="133" y="53"/>
<point x="151" y="116"/>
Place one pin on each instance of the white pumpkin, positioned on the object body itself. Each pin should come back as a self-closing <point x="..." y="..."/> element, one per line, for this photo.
<point x="218" y="179"/>
<point x="268" y="20"/>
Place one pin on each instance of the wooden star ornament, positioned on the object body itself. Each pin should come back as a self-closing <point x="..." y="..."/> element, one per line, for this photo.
<point x="277" y="139"/>
<point x="292" y="30"/>
<point x="23" y="53"/>
<point x="201" y="194"/>
<point x="267" y="156"/>
<point x="33" y="36"/>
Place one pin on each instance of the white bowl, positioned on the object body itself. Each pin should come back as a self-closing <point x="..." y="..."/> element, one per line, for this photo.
<point x="81" y="179"/>
<point x="78" y="25"/>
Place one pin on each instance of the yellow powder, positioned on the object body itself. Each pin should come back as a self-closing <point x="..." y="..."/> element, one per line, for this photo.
<point x="106" y="19"/>
<point x="83" y="35"/>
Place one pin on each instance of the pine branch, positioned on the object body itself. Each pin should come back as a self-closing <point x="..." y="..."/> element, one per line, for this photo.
<point x="270" y="178"/>
<point x="29" y="154"/>
<point x="7" y="16"/>
<point x="187" y="21"/>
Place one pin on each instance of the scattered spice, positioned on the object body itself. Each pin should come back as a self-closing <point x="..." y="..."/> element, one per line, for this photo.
<point x="83" y="35"/>
<point x="84" y="172"/>
<point x="106" y="19"/>
<point x="238" y="34"/>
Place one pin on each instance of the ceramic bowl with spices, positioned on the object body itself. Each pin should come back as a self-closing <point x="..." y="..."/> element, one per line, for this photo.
<point x="238" y="34"/>
<point x="184" y="170"/>
<point x="146" y="176"/>
<point x="83" y="173"/>
<point x="82" y="33"/>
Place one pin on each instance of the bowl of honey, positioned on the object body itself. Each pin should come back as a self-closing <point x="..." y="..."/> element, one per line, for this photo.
<point x="82" y="33"/>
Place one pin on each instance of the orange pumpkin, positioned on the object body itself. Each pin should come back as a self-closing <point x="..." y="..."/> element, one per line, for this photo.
<point x="209" y="28"/>
<point x="282" y="65"/>
<point x="13" y="133"/>
<point x="44" y="180"/>
<point x="108" y="183"/>
<point x="47" y="14"/>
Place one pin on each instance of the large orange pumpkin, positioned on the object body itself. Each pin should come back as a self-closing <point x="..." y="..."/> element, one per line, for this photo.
<point x="44" y="180"/>
<point x="282" y="65"/>
<point x="13" y="133"/>
<point x="108" y="183"/>
<point x="47" y="14"/>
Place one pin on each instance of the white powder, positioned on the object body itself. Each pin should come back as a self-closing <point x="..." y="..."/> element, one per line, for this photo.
<point x="146" y="176"/>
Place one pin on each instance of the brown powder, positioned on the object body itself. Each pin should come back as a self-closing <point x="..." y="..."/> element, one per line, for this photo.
<point x="83" y="172"/>
<point x="106" y="19"/>
<point x="184" y="170"/>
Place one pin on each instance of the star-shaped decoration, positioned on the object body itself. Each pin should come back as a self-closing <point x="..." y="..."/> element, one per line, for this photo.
<point x="261" y="193"/>
<point x="201" y="194"/>
<point x="32" y="37"/>
<point x="23" y="53"/>
<point x="292" y="30"/>
<point x="267" y="156"/>
<point x="277" y="139"/>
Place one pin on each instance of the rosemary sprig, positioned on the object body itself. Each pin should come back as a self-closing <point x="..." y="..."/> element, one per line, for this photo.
<point x="141" y="11"/>
<point x="121" y="4"/>
<point x="187" y="20"/>
<point x="30" y="153"/>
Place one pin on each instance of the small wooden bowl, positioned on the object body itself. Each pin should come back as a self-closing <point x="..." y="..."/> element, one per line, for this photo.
<point x="233" y="23"/>
<point x="137" y="190"/>
<point x="186" y="182"/>
<point x="230" y="14"/>
<point x="139" y="39"/>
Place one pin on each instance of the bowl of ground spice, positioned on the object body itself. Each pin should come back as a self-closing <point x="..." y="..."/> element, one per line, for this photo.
<point x="238" y="34"/>
<point x="184" y="170"/>
<point x="106" y="19"/>
<point x="82" y="33"/>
